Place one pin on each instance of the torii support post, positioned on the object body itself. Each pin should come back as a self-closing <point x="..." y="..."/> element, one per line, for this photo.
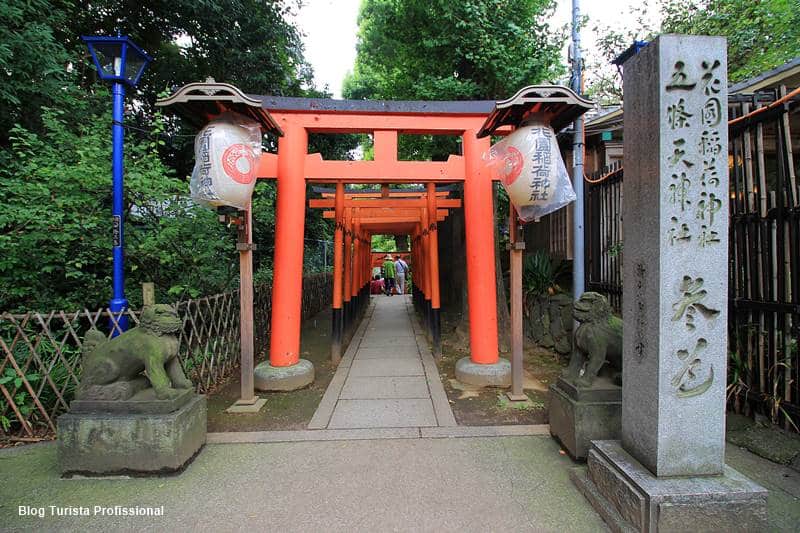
<point x="355" y="292"/>
<point x="285" y="370"/>
<point x="348" y="268"/>
<point x="337" y="320"/>
<point x="484" y="367"/>
<point x="433" y="270"/>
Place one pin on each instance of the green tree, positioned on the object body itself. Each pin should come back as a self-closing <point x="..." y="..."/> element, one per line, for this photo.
<point x="761" y="35"/>
<point x="443" y="50"/>
<point x="472" y="49"/>
<point x="54" y="227"/>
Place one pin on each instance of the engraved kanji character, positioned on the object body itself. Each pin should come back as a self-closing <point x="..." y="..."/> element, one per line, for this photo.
<point x="688" y="372"/>
<point x="707" y="237"/>
<point x="679" y="191"/>
<point x="679" y="79"/>
<point x="711" y="83"/>
<point x="677" y="115"/>
<point x="709" y="203"/>
<point x="677" y="233"/>
<point x="712" y="112"/>
<point x="710" y="143"/>
<point x="692" y="293"/>
<point x="710" y="174"/>
<point x="678" y="153"/>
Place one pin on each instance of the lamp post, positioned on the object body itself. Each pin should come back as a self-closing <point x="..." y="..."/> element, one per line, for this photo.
<point x="121" y="62"/>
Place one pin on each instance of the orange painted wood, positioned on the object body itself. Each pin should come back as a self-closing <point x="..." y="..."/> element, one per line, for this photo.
<point x="348" y="253"/>
<point x="433" y="246"/>
<point x="479" y="233"/>
<point x="344" y="122"/>
<point x="421" y="203"/>
<point x="396" y="194"/>
<point x="385" y="145"/>
<point x="377" y="212"/>
<point x="288" y="266"/>
<point x="338" y="244"/>
<point x="318" y="169"/>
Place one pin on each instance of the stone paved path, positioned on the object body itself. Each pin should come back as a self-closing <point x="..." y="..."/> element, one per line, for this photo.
<point x="387" y="377"/>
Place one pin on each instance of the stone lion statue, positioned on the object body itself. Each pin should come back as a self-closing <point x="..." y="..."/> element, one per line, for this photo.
<point x="597" y="340"/>
<point x="112" y="369"/>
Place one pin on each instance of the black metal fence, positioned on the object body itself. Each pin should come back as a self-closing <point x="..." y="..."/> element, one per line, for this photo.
<point x="603" y="233"/>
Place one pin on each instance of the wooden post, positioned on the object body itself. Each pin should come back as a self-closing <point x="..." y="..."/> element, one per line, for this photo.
<point x="479" y="233"/>
<point x="516" y="247"/>
<point x="245" y="247"/>
<point x="148" y="293"/>
<point x="433" y="269"/>
<point x="348" y="266"/>
<point x="288" y="269"/>
<point x="337" y="324"/>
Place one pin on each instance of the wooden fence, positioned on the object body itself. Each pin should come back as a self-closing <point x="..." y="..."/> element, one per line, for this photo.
<point x="764" y="284"/>
<point x="40" y="353"/>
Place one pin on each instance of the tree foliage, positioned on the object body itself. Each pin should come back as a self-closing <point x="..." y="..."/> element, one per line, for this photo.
<point x="761" y="35"/>
<point x="471" y="49"/>
<point x="55" y="146"/>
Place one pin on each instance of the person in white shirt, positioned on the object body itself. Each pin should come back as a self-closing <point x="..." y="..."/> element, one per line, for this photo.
<point x="400" y="269"/>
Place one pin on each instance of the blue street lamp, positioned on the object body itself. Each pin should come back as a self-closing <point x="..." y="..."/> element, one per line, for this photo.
<point x="120" y="61"/>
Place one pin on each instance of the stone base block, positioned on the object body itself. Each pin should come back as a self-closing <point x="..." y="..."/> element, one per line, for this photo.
<point x="630" y="498"/>
<point x="284" y="378"/>
<point x="117" y="443"/>
<point x="494" y="375"/>
<point x="240" y="407"/>
<point x="579" y="416"/>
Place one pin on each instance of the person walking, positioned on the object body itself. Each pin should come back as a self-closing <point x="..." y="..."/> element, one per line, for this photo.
<point x="400" y="270"/>
<point x="388" y="274"/>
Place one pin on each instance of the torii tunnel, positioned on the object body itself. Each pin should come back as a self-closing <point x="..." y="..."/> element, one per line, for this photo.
<point x="359" y="216"/>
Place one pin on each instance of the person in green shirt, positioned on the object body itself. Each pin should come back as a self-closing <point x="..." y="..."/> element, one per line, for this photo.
<point x="388" y="274"/>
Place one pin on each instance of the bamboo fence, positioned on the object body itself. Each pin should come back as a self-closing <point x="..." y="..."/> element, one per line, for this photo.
<point x="40" y="353"/>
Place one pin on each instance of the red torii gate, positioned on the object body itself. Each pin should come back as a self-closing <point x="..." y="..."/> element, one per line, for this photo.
<point x="294" y="118"/>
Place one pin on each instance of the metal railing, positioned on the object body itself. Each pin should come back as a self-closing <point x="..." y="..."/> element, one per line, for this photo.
<point x="603" y="234"/>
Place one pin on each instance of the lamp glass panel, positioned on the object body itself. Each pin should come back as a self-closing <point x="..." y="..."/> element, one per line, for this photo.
<point x="109" y="57"/>
<point x="134" y="63"/>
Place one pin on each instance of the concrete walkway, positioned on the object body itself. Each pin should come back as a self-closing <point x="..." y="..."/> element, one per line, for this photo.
<point x="387" y="378"/>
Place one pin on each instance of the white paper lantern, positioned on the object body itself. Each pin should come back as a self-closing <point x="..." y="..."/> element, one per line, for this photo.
<point x="528" y="163"/>
<point x="227" y="153"/>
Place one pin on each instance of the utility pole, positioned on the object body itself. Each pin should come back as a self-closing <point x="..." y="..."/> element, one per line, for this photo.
<point x="577" y="159"/>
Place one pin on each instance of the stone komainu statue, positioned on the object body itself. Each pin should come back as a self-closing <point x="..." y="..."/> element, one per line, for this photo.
<point x="112" y="369"/>
<point x="597" y="340"/>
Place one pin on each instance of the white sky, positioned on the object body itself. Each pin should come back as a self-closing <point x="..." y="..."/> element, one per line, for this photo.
<point x="329" y="28"/>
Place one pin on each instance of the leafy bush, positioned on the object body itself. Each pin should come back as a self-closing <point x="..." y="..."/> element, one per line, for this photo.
<point x="540" y="274"/>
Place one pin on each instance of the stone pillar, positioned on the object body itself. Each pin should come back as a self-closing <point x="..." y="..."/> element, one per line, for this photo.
<point x="675" y="303"/>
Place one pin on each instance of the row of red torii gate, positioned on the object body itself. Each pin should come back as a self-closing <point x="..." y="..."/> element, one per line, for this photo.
<point x="359" y="215"/>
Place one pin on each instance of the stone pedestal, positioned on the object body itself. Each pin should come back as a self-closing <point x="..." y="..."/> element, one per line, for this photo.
<point x="493" y="375"/>
<point x="126" y="442"/>
<point x="578" y="416"/>
<point x="284" y="378"/>
<point x="629" y="497"/>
